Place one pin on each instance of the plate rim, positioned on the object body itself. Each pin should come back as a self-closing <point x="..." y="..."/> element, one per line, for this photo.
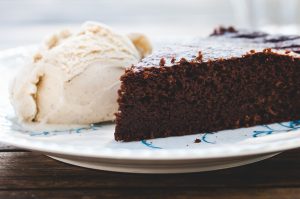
<point x="150" y="170"/>
<point x="161" y="154"/>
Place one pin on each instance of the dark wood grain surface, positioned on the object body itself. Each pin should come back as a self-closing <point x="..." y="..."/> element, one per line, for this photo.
<point x="25" y="174"/>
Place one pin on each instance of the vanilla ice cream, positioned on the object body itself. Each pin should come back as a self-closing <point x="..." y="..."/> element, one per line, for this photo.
<point x="74" y="77"/>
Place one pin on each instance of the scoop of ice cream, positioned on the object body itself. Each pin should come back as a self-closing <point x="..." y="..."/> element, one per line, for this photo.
<point x="74" y="77"/>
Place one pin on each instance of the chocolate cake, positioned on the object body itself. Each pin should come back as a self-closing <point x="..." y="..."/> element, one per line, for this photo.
<point x="229" y="80"/>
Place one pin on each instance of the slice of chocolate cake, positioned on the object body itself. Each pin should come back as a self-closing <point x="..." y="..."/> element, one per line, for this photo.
<point x="229" y="80"/>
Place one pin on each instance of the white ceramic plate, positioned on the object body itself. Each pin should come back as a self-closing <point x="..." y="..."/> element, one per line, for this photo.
<point x="95" y="147"/>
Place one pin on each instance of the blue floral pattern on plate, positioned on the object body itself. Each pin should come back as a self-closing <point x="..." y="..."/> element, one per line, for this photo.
<point x="267" y="130"/>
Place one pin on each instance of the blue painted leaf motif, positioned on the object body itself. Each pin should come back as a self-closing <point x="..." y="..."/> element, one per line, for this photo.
<point x="261" y="133"/>
<point x="294" y="124"/>
<point x="204" y="138"/>
<point x="150" y="145"/>
<point x="60" y="132"/>
<point x="291" y="126"/>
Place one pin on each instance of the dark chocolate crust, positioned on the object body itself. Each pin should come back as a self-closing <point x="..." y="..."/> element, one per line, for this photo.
<point x="222" y="82"/>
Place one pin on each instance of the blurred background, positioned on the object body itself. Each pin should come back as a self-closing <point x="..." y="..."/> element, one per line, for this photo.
<point x="24" y="22"/>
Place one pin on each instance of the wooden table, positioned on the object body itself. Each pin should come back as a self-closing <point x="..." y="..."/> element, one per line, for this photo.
<point x="25" y="174"/>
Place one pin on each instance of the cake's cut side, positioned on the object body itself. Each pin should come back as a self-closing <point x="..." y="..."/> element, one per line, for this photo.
<point x="200" y="96"/>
